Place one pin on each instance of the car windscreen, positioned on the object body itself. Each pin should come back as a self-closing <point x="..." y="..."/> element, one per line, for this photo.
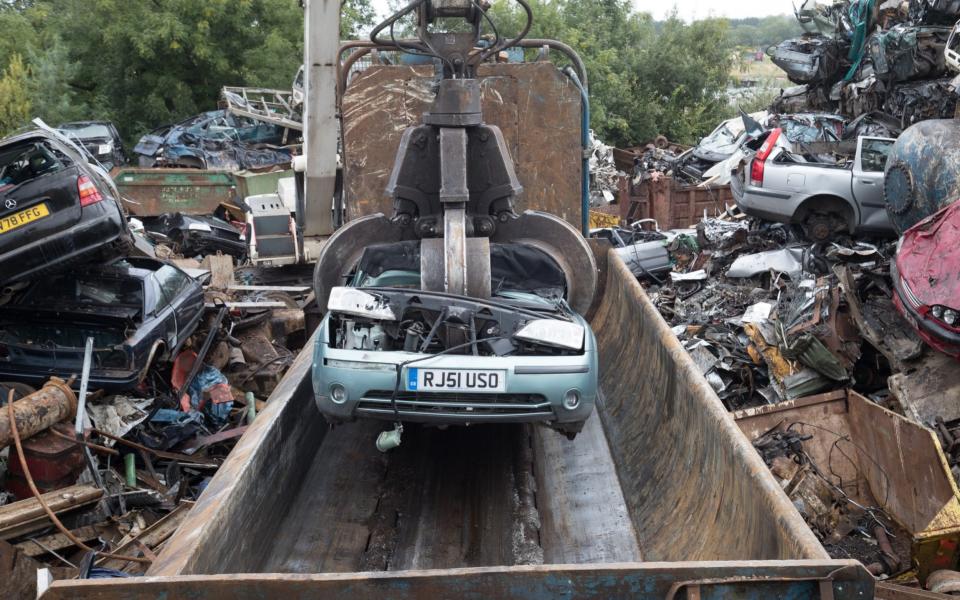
<point x="88" y="130"/>
<point x="513" y="268"/>
<point x="87" y="290"/>
<point x="26" y="161"/>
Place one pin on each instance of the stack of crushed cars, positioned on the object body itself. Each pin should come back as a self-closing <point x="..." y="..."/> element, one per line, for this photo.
<point x="861" y="57"/>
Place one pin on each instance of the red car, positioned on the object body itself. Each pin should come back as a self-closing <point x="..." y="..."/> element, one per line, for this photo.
<point x="926" y="276"/>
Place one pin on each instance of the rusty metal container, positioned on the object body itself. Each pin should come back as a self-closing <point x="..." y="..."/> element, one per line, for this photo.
<point x="153" y="192"/>
<point x="53" y="403"/>
<point x="710" y="520"/>
<point x="671" y="204"/>
<point x="880" y="459"/>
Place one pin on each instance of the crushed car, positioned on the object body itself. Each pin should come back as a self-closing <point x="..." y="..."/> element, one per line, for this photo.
<point x="56" y="209"/>
<point x="196" y="235"/>
<point x="139" y="311"/>
<point x="824" y="197"/>
<point x="216" y="140"/>
<point x="925" y="279"/>
<point x="389" y="350"/>
<point x="101" y="140"/>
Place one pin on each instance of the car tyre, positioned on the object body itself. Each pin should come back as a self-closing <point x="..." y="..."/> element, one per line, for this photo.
<point x="820" y="227"/>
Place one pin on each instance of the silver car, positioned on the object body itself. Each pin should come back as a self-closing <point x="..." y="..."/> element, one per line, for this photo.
<point x="777" y="184"/>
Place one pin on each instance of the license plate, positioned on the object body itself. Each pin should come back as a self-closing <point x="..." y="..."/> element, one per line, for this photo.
<point x="29" y="215"/>
<point x="456" y="380"/>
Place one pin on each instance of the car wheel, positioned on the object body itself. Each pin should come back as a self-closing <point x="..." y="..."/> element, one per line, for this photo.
<point x="820" y="227"/>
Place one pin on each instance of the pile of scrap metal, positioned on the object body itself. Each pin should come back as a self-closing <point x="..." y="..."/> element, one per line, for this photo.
<point x="865" y="56"/>
<point x="766" y="315"/>
<point x="846" y="528"/>
<point x="216" y="140"/>
<point x="120" y="461"/>
<point x="604" y="175"/>
<point x="124" y="378"/>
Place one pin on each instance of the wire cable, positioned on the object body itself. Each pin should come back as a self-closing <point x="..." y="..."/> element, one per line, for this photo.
<point x="46" y="508"/>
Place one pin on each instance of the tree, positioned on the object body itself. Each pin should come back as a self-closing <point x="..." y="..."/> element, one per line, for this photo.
<point x="14" y="99"/>
<point x="645" y="78"/>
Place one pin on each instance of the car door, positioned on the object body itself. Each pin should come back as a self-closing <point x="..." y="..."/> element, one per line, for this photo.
<point x="163" y="310"/>
<point x="868" y="168"/>
<point x="183" y="298"/>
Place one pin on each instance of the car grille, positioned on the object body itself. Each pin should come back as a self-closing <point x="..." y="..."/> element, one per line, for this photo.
<point x="911" y="298"/>
<point x="446" y="404"/>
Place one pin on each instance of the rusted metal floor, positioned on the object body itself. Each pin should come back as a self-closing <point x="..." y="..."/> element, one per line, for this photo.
<point x="497" y="495"/>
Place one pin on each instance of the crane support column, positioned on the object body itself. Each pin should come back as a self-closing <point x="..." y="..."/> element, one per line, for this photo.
<point x="321" y="41"/>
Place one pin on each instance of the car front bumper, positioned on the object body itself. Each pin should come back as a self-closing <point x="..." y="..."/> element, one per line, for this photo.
<point x="535" y="387"/>
<point x="933" y="334"/>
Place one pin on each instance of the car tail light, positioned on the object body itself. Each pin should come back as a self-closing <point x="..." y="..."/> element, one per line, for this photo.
<point x="89" y="194"/>
<point x="760" y="159"/>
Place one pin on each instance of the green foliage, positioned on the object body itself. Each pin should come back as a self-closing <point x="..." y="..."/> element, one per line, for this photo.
<point x="14" y="99"/>
<point x="645" y="78"/>
<point x="144" y="63"/>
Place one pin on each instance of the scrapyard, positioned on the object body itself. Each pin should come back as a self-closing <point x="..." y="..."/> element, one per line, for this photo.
<point x="411" y="328"/>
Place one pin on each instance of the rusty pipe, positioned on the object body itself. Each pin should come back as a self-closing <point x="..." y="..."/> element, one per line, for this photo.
<point x="53" y="403"/>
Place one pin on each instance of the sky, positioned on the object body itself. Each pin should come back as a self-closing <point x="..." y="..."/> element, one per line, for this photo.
<point x="700" y="9"/>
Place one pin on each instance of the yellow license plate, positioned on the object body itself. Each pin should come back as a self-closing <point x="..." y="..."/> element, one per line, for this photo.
<point x="34" y="213"/>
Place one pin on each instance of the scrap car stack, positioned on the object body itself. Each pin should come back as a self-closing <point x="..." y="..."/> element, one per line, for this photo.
<point x="134" y="350"/>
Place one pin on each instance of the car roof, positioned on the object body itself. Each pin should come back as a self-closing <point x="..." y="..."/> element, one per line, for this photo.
<point x="28" y="135"/>
<point x="83" y="123"/>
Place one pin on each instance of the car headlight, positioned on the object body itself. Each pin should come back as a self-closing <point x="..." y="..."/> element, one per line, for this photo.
<point x="356" y="302"/>
<point x="945" y="315"/>
<point x="552" y="332"/>
<point x="950" y="317"/>
<point x="571" y="400"/>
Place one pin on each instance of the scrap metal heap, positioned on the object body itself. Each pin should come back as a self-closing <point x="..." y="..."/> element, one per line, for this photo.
<point x="865" y="56"/>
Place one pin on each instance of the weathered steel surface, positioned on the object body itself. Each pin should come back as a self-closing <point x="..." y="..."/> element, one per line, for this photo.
<point x="52" y="403"/>
<point x="535" y="106"/>
<point x="886" y="459"/>
<point x="923" y="171"/>
<point x="573" y="531"/>
<point x="748" y="580"/>
<point x="153" y="192"/>
<point x="696" y="488"/>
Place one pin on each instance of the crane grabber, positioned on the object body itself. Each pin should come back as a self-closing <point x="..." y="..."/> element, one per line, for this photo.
<point x="453" y="182"/>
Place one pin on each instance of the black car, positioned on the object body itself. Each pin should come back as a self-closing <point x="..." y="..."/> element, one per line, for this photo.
<point x="56" y="209"/>
<point x="138" y="310"/>
<point x="100" y="138"/>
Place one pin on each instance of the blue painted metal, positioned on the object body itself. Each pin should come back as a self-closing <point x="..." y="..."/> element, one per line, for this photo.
<point x="923" y="172"/>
